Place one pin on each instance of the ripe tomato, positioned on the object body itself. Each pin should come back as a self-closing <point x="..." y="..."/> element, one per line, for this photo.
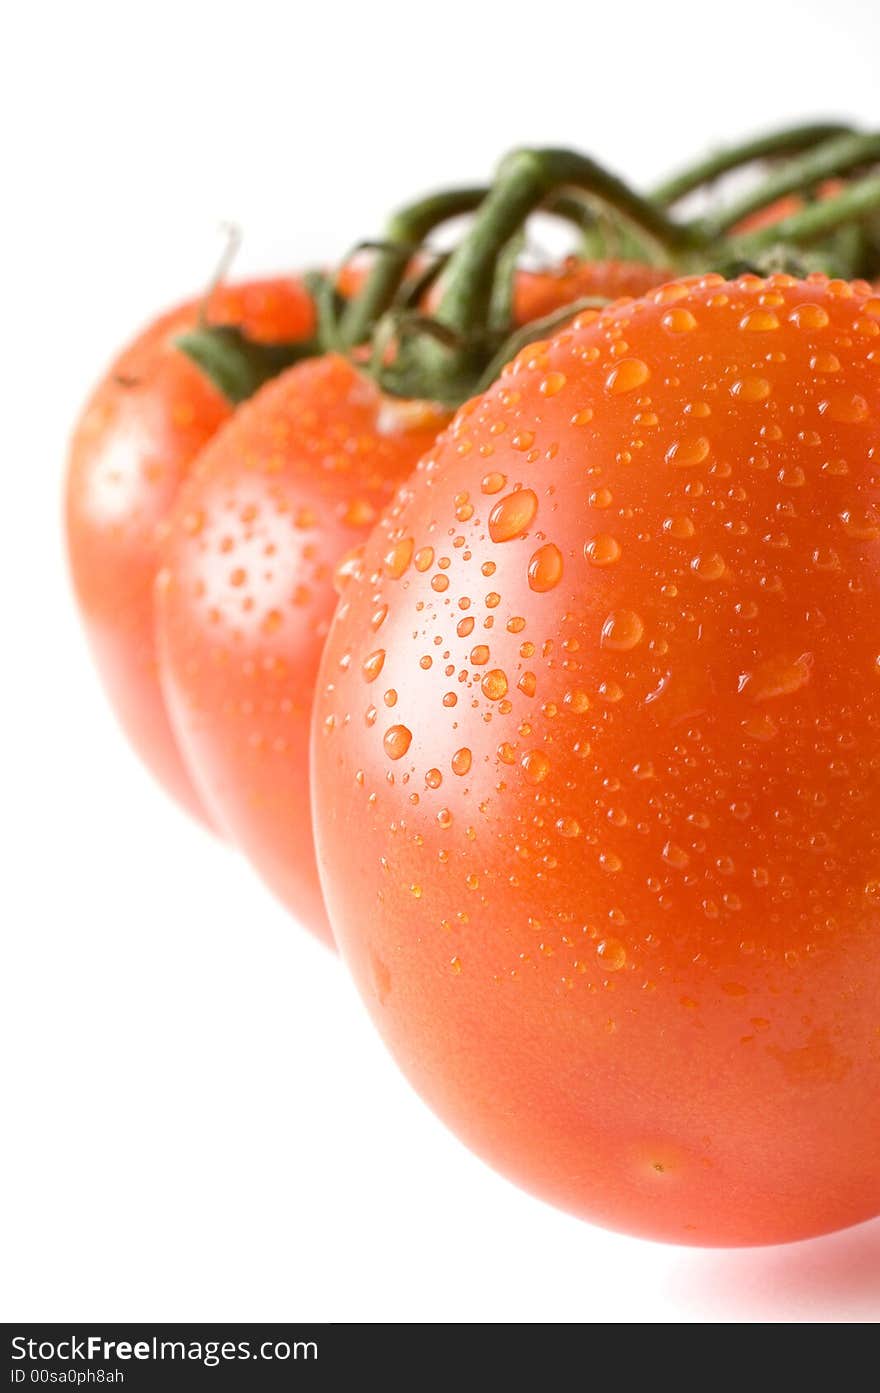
<point x="134" y="443"/>
<point x="298" y="477"/>
<point x="542" y="292"/>
<point x="597" y="786"/>
<point x="293" y="482"/>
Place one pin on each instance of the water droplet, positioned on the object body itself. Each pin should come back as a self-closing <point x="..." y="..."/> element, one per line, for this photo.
<point x="846" y="407"/>
<point x="760" y="727"/>
<point x="628" y="374"/>
<point x="535" y="766"/>
<point x="679" y="321"/>
<point x="455" y="964"/>
<point x="397" y="741"/>
<point x="863" y="524"/>
<point x="373" y="665"/>
<point x="750" y="389"/>
<point x="545" y="568"/>
<point x="513" y="515"/>
<point x="759" y="321"/>
<point x="568" y="827"/>
<point x="675" y="856"/>
<point x="399" y="557"/>
<point x="493" y="483"/>
<point x="809" y="316"/>
<point x="622" y="630"/>
<point x="461" y="761"/>
<point x="776" y="677"/>
<point x="611" y="954"/>
<point x="601" y="498"/>
<point x="552" y="384"/>
<point x="825" y="362"/>
<point x="480" y="654"/>
<point x="424" y="558"/>
<point x="602" y="550"/>
<point x="709" y="567"/>
<point x="684" y="454"/>
<point x="527" y="684"/>
<point x="494" y="685"/>
<point x="680" y="527"/>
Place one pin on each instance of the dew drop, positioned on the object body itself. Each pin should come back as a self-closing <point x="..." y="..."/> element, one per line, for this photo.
<point x="397" y="741"/>
<point x="759" y="321"/>
<point x="679" y="321"/>
<point x="750" y="389"/>
<point x="622" y="630"/>
<point x="611" y="954"/>
<point x="399" y="557"/>
<point x="513" y="515"/>
<point x="373" y="664"/>
<point x="461" y="762"/>
<point x="684" y="454"/>
<point x="602" y="550"/>
<point x="535" y="766"/>
<point x="494" y="685"/>
<point x="675" y="856"/>
<point x="627" y="375"/>
<point x="709" y="567"/>
<point x="545" y="568"/>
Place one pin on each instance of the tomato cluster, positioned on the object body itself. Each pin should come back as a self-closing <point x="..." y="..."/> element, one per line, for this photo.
<point x="594" y="728"/>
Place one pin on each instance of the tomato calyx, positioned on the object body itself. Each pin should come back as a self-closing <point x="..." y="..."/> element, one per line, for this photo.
<point x="237" y="364"/>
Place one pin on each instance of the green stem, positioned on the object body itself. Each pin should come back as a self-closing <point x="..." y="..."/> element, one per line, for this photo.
<point x="817" y="220"/>
<point x="235" y="364"/>
<point x="789" y="141"/>
<point x="404" y="234"/>
<point x="835" y="157"/>
<point x="526" y="179"/>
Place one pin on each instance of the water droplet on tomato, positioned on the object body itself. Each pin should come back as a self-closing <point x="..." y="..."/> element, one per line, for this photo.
<point x="397" y="741"/>
<point x="622" y="630"/>
<point x="545" y="568"/>
<point x="513" y="515"/>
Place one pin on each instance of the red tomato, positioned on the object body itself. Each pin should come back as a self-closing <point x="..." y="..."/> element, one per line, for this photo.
<point x="543" y="292"/>
<point x="597" y="791"/>
<point x="134" y="443"/>
<point x="291" y="484"/>
<point x="304" y="470"/>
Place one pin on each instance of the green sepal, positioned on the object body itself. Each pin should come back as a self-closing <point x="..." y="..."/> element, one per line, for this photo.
<point x="238" y="365"/>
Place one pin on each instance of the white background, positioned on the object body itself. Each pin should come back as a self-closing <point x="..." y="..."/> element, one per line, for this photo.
<point x="199" y="1122"/>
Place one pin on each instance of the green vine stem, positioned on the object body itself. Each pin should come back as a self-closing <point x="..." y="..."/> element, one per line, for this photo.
<point x="236" y="364"/>
<point x="817" y="220"/>
<point x="791" y="140"/>
<point x="525" y="181"/>
<point x="825" y="161"/>
<point x="405" y="233"/>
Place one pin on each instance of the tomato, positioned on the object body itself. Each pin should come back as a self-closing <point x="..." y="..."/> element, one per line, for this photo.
<point x="542" y="292"/>
<point x="133" y="445"/>
<point x="304" y="469"/>
<point x="597" y="787"/>
<point x="293" y="482"/>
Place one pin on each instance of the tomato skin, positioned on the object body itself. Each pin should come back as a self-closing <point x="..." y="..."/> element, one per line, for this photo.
<point x="132" y="447"/>
<point x="293" y="483"/>
<point x="608" y="874"/>
<point x="545" y="291"/>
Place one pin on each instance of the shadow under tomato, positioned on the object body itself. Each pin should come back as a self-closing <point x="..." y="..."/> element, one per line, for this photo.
<point x="832" y="1279"/>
